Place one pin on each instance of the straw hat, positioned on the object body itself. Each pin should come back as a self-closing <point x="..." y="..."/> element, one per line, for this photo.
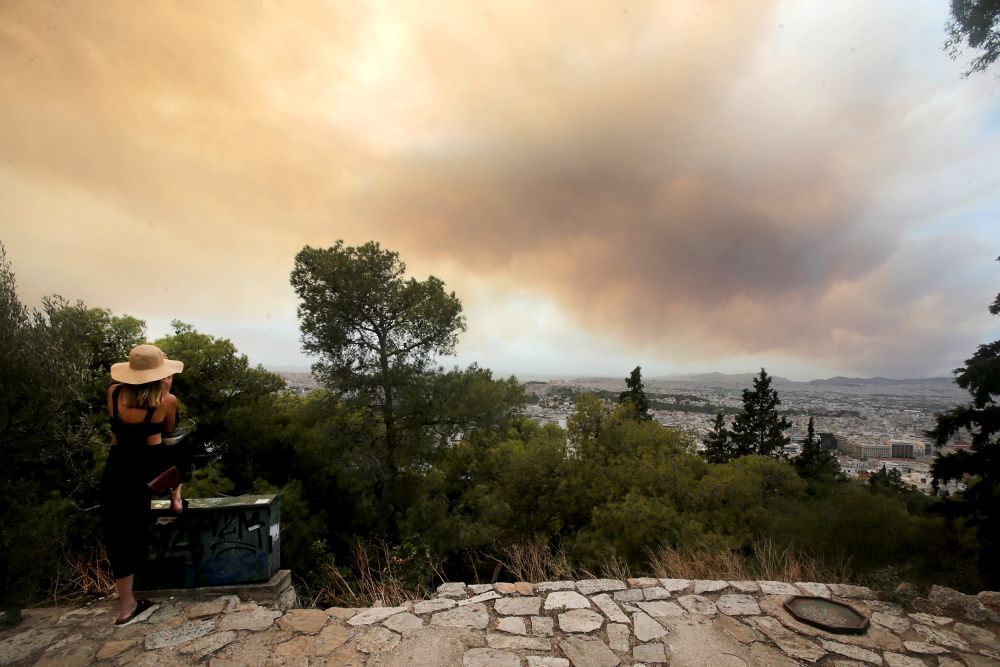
<point x="146" y="363"/>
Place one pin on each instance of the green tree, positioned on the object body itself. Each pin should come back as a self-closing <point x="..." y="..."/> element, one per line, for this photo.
<point x="377" y="335"/>
<point x="758" y="429"/>
<point x="814" y="461"/>
<point x="719" y="442"/>
<point x="976" y="24"/>
<point x="979" y="504"/>
<point x="636" y="394"/>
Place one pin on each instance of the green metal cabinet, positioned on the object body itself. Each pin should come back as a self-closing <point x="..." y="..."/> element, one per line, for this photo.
<point x="214" y="542"/>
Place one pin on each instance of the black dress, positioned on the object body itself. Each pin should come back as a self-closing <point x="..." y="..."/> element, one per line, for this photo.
<point x="124" y="494"/>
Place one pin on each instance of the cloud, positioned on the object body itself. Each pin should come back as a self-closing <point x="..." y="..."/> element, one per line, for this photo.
<point x="695" y="180"/>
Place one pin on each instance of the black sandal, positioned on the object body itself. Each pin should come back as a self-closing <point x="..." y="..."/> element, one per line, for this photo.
<point x="140" y="607"/>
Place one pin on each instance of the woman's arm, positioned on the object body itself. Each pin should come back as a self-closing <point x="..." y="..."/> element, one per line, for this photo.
<point x="170" y="419"/>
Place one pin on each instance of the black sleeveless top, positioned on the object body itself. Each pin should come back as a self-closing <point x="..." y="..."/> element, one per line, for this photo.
<point x="132" y="434"/>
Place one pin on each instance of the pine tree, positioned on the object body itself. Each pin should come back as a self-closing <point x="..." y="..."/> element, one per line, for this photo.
<point x="718" y="442"/>
<point x="636" y="394"/>
<point x="758" y="429"/>
<point x="815" y="461"/>
<point x="979" y="504"/>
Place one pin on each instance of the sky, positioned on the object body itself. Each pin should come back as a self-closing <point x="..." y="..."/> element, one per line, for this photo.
<point x="685" y="185"/>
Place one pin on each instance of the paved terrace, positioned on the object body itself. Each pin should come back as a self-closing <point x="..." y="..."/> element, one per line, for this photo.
<point x="590" y="623"/>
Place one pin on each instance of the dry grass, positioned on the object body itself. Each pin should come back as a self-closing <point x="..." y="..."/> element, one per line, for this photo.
<point x="376" y="580"/>
<point x="535" y="561"/>
<point x="766" y="561"/>
<point x="83" y="574"/>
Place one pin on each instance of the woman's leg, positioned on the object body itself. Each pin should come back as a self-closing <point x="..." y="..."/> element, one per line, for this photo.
<point x="126" y="601"/>
<point x="176" y="504"/>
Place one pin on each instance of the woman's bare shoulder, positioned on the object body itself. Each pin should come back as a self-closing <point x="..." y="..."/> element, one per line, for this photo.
<point x="169" y="400"/>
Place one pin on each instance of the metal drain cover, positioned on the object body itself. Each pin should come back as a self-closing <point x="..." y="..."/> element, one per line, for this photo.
<point x="828" y="615"/>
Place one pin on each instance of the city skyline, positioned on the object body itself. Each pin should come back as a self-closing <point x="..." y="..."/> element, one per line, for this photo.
<point x="684" y="186"/>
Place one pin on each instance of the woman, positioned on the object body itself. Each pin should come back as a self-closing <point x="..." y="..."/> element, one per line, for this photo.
<point x="142" y="409"/>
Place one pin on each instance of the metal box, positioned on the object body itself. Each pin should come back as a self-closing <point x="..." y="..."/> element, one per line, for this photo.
<point x="214" y="542"/>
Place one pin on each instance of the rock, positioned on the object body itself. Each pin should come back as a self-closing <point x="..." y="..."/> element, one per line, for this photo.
<point x="115" y="647"/>
<point x="480" y="588"/>
<point x="891" y="621"/>
<point x="488" y="657"/>
<point x="942" y="637"/>
<point x="698" y="604"/>
<point x="304" y="621"/>
<point x="645" y="628"/>
<point x="649" y="653"/>
<point x="428" y="647"/>
<point x="23" y="644"/>
<point x="430" y="606"/>
<point x="943" y="661"/>
<point x="452" y="589"/>
<point x="990" y="599"/>
<point x="212" y="607"/>
<point x="739" y="631"/>
<point x="403" y="622"/>
<point x="591" y="586"/>
<point x="746" y="586"/>
<point x="674" y="585"/>
<point x="375" y="615"/>
<point x="875" y="638"/>
<point x="814" y="589"/>
<point x="924" y="648"/>
<point x="541" y="626"/>
<point x="697" y="642"/>
<point x="655" y="593"/>
<point x="473" y="616"/>
<point x="565" y="600"/>
<point x="505" y="587"/>
<point x="630" y="595"/>
<point x="661" y="609"/>
<point x="546" y="661"/>
<point x="547" y="586"/>
<point x="346" y="613"/>
<point x="580" y="620"/>
<point x="762" y="655"/>
<point x="738" y="604"/>
<point x="515" y="625"/>
<point x="519" y="606"/>
<point x="588" y="652"/>
<point x="255" y="619"/>
<point x="975" y="634"/>
<point x="777" y="588"/>
<point x="900" y="660"/>
<point x="482" y="597"/>
<point x="76" y="653"/>
<point x="524" y="587"/>
<point x="790" y="643"/>
<point x="848" y="591"/>
<point x="208" y="644"/>
<point x="331" y="638"/>
<point x="642" y="582"/>
<point x="185" y="632"/>
<point x="618" y="637"/>
<point x="609" y="608"/>
<point x="501" y="641"/>
<point x="297" y="650"/>
<point x="931" y="619"/>
<point x="709" y="586"/>
<point x="853" y="652"/>
<point x="948" y="597"/>
<point x="376" y="639"/>
<point x="83" y="616"/>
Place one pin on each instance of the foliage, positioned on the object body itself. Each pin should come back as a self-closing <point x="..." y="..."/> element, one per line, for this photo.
<point x="758" y="429"/>
<point x="979" y="504"/>
<point x="719" y="442"/>
<point x="377" y="335"/>
<point x="815" y="461"/>
<point x="636" y="395"/>
<point x="976" y="24"/>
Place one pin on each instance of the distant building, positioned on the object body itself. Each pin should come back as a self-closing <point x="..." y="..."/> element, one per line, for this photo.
<point x="871" y="450"/>
<point x="902" y="449"/>
<point x="829" y="441"/>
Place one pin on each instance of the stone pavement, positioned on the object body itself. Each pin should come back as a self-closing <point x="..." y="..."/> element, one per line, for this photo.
<point x="589" y="623"/>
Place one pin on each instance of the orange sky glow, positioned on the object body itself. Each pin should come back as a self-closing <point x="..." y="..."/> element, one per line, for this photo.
<point x="688" y="185"/>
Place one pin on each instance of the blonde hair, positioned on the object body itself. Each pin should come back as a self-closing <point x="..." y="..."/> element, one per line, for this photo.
<point x="148" y="395"/>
